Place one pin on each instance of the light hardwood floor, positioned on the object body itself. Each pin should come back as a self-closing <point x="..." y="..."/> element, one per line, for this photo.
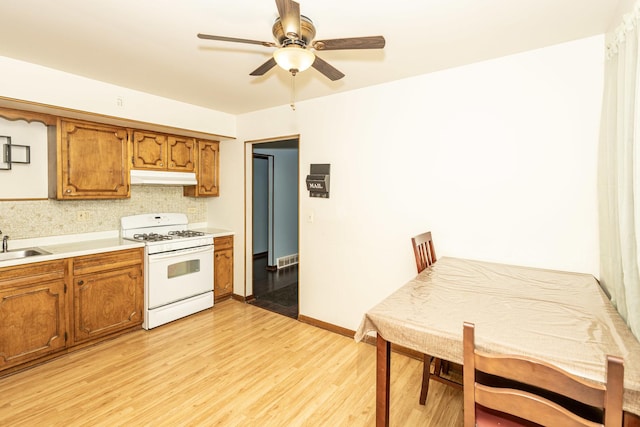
<point x="233" y="365"/>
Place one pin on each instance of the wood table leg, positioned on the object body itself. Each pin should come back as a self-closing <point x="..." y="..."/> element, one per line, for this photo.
<point x="383" y="364"/>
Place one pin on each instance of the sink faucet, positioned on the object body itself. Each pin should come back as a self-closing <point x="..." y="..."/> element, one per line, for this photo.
<point x="5" y="243"/>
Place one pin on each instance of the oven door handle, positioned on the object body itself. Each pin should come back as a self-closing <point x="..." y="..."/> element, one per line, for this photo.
<point x="172" y="254"/>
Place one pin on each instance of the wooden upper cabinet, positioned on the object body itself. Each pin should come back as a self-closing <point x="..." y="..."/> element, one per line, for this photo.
<point x="156" y="151"/>
<point x="149" y="150"/>
<point x="207" y="171"/>
<point x="88" y="161"/>
<point x="181" y="153"/>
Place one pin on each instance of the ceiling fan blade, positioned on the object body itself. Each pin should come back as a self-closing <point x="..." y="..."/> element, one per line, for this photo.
<point x="289" y="12"/>
<point x="328" y="70"/>
<point x="264" y="67"/>
<point x="373" y="42"/>
<point x="235" y="40"/>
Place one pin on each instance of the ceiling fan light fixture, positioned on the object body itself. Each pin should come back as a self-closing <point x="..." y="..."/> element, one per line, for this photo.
<point x="294" y="58"/>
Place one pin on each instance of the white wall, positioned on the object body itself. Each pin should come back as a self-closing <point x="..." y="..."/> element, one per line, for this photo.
<point x="34" y="83"/>
<point x="497" y="159"/>
<point x="624" y="7"/>
<point x="25" y="181"/>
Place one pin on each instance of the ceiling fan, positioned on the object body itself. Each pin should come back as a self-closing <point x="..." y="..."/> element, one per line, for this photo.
<point x="295" y="35"/>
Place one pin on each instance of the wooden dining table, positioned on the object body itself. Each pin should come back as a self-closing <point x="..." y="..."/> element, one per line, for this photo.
<point x="561" y="317"/>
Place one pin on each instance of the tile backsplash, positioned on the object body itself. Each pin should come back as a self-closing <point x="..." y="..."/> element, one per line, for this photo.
<point x="40" y="218"/>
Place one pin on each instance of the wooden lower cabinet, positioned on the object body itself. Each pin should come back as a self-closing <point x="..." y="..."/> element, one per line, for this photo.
<point x="222" y="267"/>
<point x="48" y="308"/>
<point x="108" y="293"/>
<point x="33" y="313"/>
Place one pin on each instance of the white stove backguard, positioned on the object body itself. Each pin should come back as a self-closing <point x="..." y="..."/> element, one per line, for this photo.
<point x="152" y="223"/>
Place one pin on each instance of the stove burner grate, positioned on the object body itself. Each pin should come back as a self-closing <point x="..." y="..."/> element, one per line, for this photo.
<point x="186" y="233"/>
<point x="151" y="237"/>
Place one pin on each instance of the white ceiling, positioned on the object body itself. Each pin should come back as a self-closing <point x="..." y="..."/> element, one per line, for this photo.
<point x="151" y="45"/>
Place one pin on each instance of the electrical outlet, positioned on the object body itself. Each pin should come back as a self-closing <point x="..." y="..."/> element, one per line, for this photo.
<point x="82" y="216"/>
<point x="192" y="210"/>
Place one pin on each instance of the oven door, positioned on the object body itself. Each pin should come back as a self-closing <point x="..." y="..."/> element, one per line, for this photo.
<point x="177" y="275"/>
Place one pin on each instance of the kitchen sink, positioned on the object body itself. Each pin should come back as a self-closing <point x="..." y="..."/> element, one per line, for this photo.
<point x="22" y="253"/>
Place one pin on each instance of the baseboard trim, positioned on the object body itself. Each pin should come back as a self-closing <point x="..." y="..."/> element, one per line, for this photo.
<point x="349" y="333"/>
<point x="243" y="299"/>
<point x="327" y="326"/>
<point x="342" y="331"/>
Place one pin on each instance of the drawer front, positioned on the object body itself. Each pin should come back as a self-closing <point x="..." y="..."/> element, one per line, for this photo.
<point x="220" y="243"/>
<point x="108" y="260"/>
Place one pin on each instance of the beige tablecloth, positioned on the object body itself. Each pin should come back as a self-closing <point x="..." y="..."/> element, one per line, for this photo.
<point x="564" y="318"/>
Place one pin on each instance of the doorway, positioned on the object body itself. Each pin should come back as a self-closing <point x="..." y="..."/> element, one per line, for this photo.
<point x="275" y="226"/>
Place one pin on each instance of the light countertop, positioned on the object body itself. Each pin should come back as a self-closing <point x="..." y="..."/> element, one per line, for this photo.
<point x="68" y="246"/>
<point x="217" y="232"/>
<point x="74" y="249"/>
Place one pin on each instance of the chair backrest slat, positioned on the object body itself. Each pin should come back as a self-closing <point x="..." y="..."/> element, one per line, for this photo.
<point x="535" y="390"/>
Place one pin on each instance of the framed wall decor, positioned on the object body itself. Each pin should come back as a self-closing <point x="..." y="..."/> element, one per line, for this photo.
<point x="5" y="155"/>
<point x="12" y="153"/>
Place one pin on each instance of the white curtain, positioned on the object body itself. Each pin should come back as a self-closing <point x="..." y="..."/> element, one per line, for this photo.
<point x="619" y="174"/>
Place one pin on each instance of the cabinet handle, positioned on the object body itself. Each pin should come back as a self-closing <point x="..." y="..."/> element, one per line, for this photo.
<point x="80" y="282"/>
<point x="68" y="190"/>
<point x="161" y="164"/>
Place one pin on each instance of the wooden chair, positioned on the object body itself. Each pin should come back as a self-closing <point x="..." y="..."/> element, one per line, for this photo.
<point x="423" y="250"/>
<point x="510" y="391"/>
<point x="425" y="256"/>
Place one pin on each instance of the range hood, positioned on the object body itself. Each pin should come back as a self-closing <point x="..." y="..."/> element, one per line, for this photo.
<point x="162" y="177"/>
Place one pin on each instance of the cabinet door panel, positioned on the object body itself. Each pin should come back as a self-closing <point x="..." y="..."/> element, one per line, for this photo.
<point x="181" y="154"/>
<point x="106" y="302"/>
<point x="207" y="171"/>
<point x="33" y="322"/>
<point x="93" y="161"/>
<point x="149" y="150"/>
<point x="223" y="273"/>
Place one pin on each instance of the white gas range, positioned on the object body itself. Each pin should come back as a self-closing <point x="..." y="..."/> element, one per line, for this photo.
<point x="178" y="278"/>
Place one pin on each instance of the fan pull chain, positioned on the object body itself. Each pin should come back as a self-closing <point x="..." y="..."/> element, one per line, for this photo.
<point x="293" y="92"/>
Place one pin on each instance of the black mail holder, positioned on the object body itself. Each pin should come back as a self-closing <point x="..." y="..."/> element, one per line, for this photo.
<point x="318" y="181"/>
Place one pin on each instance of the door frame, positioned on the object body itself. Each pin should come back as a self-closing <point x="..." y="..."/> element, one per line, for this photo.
<point x="248" y="208"/>
<point x="270" y="206"/>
